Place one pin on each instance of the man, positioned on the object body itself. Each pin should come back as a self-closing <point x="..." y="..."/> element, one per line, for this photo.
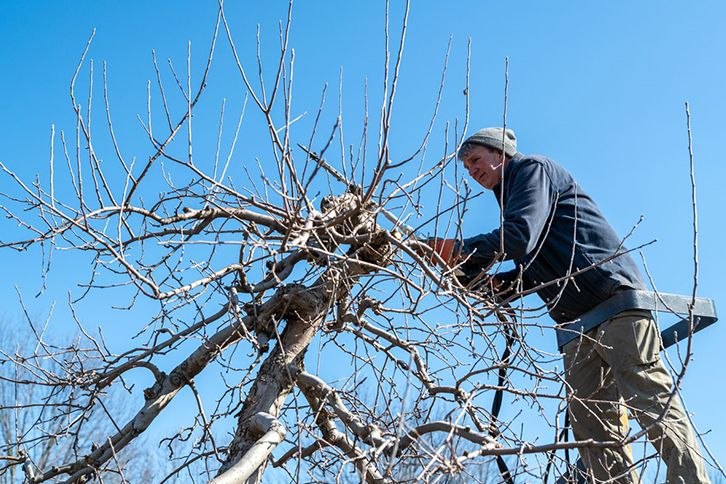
<point x="553" y="229"/>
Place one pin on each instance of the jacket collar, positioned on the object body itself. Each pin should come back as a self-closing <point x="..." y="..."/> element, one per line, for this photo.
<point x="508" y="171"/>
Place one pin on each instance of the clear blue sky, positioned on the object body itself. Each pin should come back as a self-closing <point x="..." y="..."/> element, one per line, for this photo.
<point x="598" y="86"/>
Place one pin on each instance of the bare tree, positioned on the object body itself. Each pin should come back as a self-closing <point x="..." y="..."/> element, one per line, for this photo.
<point x="245" y="269"/>
<point x="34" y="412"/>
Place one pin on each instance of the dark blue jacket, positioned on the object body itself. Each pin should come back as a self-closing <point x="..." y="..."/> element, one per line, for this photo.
<point x="552" y="228"/>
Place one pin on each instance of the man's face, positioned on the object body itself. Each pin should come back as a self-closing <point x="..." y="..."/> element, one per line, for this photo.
<point x="484" y="166"/>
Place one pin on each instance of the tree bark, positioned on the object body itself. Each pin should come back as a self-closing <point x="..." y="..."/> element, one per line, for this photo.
<point x="304" y="310"/>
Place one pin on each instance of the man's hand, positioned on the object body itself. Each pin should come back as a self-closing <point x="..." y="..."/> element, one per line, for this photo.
<point x="483" y="283"/>
<point x="494" y="284"/>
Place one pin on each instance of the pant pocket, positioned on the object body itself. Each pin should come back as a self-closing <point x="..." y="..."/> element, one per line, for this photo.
<point x="630" y="340"/>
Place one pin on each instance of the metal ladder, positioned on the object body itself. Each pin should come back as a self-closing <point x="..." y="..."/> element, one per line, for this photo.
<point x="704" y="315"/>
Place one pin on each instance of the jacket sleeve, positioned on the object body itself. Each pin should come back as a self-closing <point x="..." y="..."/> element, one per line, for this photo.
<point x="526" y="212"/>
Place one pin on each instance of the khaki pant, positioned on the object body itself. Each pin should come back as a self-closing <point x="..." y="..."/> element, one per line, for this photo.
<point x="617" y="366"/>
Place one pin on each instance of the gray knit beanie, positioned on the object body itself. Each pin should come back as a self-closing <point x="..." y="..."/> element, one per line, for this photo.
<point x="491" y="138"/>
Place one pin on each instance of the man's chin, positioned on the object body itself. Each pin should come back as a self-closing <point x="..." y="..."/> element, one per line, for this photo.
<point x="481" y="182"/>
